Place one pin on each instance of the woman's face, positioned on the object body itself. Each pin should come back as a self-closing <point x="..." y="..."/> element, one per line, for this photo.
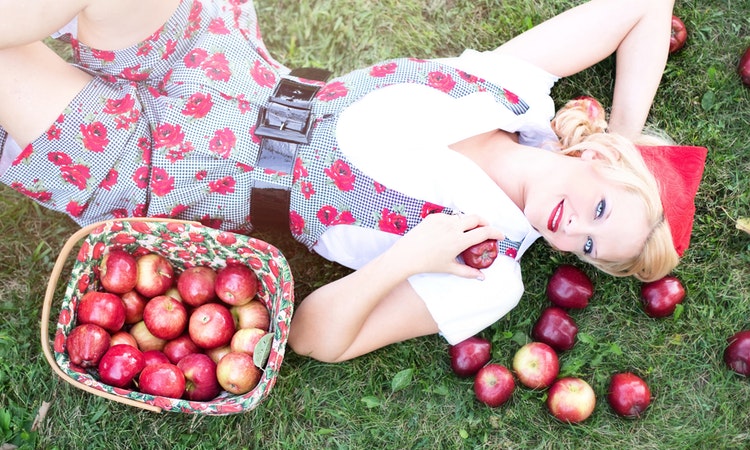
<point x="579" y="210"/>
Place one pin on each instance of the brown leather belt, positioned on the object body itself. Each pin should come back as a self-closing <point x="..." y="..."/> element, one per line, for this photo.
<point x="283" y="125"/>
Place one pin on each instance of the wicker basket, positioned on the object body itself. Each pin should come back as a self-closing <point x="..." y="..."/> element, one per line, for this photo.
<point x="185" y="244"/>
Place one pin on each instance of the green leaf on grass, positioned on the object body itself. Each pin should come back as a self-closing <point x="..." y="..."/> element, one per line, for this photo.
<point x="708" y="101"/>
<point x="371" y="401"/>
<point x="402" y="380"/>
<point x="463" y="433"/>
<point x="678" y="310"/>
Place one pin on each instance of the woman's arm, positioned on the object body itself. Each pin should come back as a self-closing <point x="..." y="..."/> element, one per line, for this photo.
<point x="375" y="306"/>
<point x="637" y="30"/>
<point x="29" y="21"/>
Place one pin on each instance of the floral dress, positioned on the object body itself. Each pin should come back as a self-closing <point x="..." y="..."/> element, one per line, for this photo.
<point x="166" y="129"/>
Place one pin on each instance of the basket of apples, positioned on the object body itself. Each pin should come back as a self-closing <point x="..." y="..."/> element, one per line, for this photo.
<point x="169" y="315"/>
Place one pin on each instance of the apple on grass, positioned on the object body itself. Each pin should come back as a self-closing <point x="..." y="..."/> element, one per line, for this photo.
<point x="165" y="317"/>
<point x="120" y="365"/>
<point x="86" y="344"/>
<point x="536" y="365"/>
<point x="211" y="325"/>
<point x="743" y="68"/>
<point x="155" y="275"/>
<point x="251" y="315"/>
<point x="180" y="347"/>
<point x="101" y="308"/>
<point x="569" y="287"/>
<point x="678" y="35"/>
<point x="164" y="379"/>
<point x="628" y="394"/>
<point x="237" y="373"/>
<point x="661" y="297"/>
<point x="146" y="340"/>
<point x="469" y="355"/>
<point x="737" y="353"/>
<point x="481" y="255"/>
<point x="236" y="284"/>
<point x="118" y="271"/>
<point x="555" y="328"/>
<point x="201" y="383"/>
<point x="245" y="340"/>
<point x="197" y="285"/>
<point x="494" y="385"/>
<point x="571" y="400"/>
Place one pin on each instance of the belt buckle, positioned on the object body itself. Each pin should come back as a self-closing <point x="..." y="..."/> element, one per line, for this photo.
<point x="288" y="114"/>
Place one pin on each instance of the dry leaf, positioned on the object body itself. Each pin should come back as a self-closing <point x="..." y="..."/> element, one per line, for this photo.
<point x="743" y="223"/>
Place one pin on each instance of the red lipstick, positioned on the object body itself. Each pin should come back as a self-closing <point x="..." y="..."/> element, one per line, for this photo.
<point x="555" y="217"/>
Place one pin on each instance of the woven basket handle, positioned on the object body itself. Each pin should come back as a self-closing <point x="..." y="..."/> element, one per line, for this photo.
<point x="72" y="242"/>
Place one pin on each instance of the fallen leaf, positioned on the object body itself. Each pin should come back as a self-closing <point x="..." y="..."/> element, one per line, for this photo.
<point x="743" y="223"/>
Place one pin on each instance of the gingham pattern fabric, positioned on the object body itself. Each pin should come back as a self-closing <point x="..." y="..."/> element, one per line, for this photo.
<point x="166" y="129"/>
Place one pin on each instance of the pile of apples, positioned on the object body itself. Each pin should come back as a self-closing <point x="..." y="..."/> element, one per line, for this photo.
<point x="180" y="335"/>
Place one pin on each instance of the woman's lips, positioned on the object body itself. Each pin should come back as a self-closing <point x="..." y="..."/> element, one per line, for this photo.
<point x="554" y="218"/>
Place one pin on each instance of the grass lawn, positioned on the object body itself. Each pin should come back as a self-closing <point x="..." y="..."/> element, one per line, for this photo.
<point x="406" y="396"/>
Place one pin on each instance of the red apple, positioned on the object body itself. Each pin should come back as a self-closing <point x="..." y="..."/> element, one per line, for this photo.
<point x="571" y="400"/>
<point x="236" y="284"/>
<point x="555" y="328"/>
<point x="123" y="337"/>
<point x="86" y="344"/>
<point x="134" y="304"/>
<point x="743" y="69"/>
<point x="469" y="355"/>
<point x="251" y="315"/>
<point x="237" y="373"/>
<point x="120" y="365"/>
<point x="201" y="383"/>
<point x="737" y="352"/>
<point x="197" y="285"/>
<point x="481" y="255"/>
<point x="211" y="325"/>
<point x="628" y="394"/>
<point x="166" y="380"/>
<point x="146" y="340"/>
<point x="536" y="365"/>
<point x="154" y="357"/>
<point x="165" y="317"/>
<point x="218" y="352"/>
<point x="179" y="347"/>
<point x="245" y="339"/>
<point x="118" y="271"/>
<point x="493" y="385"/>
<point x="661" y="297"/>
<point x="569" y="287"/>
<point x="678" y="36"/>
<point x="155" y="275"/>
<point x="102" y="308"/>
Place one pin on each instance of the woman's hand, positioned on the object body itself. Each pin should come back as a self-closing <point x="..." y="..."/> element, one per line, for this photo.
<point x="433" y="245"/>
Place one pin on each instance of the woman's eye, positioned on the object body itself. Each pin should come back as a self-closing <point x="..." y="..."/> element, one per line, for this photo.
<point x="600" y="207"/>
<point x="588" y="246"/>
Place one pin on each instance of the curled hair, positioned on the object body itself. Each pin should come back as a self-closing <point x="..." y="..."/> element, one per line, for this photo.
<point x="581" y="125"/>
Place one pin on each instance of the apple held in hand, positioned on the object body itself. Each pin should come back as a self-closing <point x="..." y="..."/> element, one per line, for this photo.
<point x="494" y="385"/>
<point x="555" y="328"/>
<point x="166" y="380"/>
<point x="628" y="394"/>
<point x="571" y="400"/>
<point x="197" y="285"/>
<point x="661" y="297"/>
<point x="236" y="284"/>
<point x="678" y="35"/>
<point x="743" y="69"/>
<point x="237" y="373"/>
<point x="470" y="355"/>
<point x="569" y="287"/>
<point x="102" y="308"/>
<point x="155" y="275"/>
<point x="481" y="255"/>
<point x="118" y="271"/>
<point x="86" y="344"/>
<point x="536" y="365"/>
<point x="165" y="317"/>
<point x="737" y="353"/>
<point x="120" y="365"/>
<point x="211" y="325"/>
<point x="201" y="383"/>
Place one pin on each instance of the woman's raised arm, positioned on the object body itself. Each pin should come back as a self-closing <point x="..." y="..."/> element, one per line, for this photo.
<point x="33" y="20"/>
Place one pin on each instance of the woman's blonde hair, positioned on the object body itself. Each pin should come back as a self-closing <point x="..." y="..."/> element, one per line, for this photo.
<point x="581" y="125"/>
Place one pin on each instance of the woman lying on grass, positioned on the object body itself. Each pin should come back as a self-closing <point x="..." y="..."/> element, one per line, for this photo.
<point x="176" y="109"/>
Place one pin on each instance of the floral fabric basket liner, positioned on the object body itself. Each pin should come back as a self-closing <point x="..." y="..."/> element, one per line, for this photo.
<point x="184" y="244"/>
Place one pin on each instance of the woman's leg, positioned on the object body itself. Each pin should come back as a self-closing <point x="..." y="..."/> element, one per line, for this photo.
<point x="638" y="30"/>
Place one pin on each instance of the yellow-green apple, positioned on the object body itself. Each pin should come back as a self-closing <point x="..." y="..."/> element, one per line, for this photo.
<point x="536" y="365"/>
<point x="146" y="340"/>
<point x="571" y="400"/>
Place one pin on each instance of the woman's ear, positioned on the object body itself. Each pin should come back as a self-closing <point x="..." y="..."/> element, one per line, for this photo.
<point x="591" y="154"/>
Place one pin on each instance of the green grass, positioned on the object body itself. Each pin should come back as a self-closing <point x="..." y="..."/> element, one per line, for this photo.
<point x="405" y="396"/>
